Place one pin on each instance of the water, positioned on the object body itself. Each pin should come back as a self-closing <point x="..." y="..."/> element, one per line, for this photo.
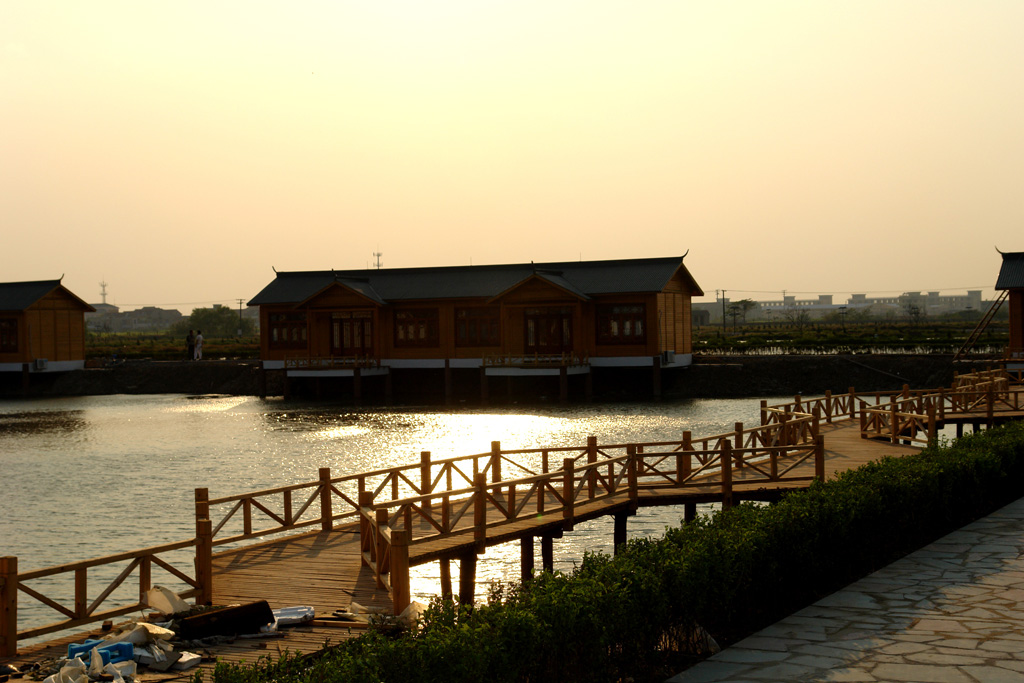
<point x="86" y="477"/>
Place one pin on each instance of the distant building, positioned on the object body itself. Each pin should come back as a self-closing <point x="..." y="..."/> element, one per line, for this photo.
<point x="823" y="306"/>
<point x="499" y="320"/>
<point x="1011" y="280"/>
<point x="42" y="327"/>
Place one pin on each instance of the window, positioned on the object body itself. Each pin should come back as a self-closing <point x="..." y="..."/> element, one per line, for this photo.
<point x="352" y="333"/>
<point x="621" y="324"/>
<point x="477" y="326"/>
<point x="288" y="330"/>
<point x="416" y="328"/>
<point x="8" y="335"/>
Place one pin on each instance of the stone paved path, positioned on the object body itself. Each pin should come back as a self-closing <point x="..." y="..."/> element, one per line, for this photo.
<point x="952" y="611"/>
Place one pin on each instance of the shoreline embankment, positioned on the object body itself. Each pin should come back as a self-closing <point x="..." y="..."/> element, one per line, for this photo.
<point x="708" y="377"/>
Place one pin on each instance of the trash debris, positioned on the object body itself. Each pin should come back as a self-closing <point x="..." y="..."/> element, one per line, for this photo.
<point x="233" y="620"/>
<point x="166" y="601"/>
<point x="109" y="651"/>
<point x="290" y="616"/>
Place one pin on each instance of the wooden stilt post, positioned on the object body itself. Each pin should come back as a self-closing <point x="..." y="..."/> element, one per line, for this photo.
<point x="547" y="552"/>
<point x="446" y="577"/>
<point x="389" y="393"/>
<point x="563" y="384"/>
<point x="483" y="384"/>
<point x="656" y="379"/>
<point x="326" y="511"/>
<point x="447" y="381"/>
<point x="819" y="457"/>
<point x="621" y="518"/>
<point x="589" y="385"/>
<point x="26" y="380"/>
<point x="764" y="412"/>
<point x="357" y="383"/>
<point x="8" y="606"/>
<point x="261" y="381"/>
<point x="633" y="467"/>
<point x="467" y="578"/>
<point x="526" y="555"/>
<point x="689" y="512"/>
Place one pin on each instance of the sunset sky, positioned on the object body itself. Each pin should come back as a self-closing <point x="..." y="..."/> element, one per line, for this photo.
<point x="180" y="150"/>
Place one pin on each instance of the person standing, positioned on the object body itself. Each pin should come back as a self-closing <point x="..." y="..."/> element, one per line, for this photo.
<point x="190" y="344"/>
<point x="199" y="345"/>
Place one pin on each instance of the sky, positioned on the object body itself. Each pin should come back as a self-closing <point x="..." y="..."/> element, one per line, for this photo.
<point x="181" y="151"/>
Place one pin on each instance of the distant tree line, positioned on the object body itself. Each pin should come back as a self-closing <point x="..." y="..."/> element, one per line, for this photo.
<point x="219" y="321"/>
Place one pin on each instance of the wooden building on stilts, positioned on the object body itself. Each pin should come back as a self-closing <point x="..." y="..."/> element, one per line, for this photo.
<point x="449" y="328"/>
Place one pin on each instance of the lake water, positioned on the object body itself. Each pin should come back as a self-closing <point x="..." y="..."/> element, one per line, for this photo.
<point x="86" y="477"/>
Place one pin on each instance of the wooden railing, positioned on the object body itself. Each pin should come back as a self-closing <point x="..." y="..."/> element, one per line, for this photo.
<point x="330" y="362"/>
<point x="86" y="604"/>
<point x="536" y="360"/>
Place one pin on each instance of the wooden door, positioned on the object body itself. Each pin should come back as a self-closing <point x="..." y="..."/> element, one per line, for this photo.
<point x="352" y="334"/>
<point x="548" y="330"/>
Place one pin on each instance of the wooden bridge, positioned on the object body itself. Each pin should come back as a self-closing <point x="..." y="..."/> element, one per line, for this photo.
<point x="355" y="537"/>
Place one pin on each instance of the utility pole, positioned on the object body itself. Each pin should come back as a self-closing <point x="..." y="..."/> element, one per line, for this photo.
<point x="240" y="316"/>
<point x="723" y="311"/>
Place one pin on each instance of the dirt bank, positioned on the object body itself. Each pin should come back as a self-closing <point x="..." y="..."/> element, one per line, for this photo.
<point x="709" y="377"/>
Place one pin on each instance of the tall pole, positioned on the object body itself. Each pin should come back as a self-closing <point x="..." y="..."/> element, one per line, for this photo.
<point x="723" y="311"/>
<point x="240" y="316"/>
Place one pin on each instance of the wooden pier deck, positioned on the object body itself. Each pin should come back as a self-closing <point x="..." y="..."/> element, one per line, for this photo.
<point x="360" y="555"/>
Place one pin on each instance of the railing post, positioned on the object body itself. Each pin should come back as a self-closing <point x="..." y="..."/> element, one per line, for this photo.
<point x="381" y="550"/>
<point x="798" y="408"/>
<point x="366" y="543"/>
<point x="631" y="475"/>
<point x="480" y="508"/>
<point x="495" y="461"/>
<point x="425" y="480"/>
<point x="764" y="412"/>
<point x="933" y="431"/>
<point x="8" y="606"/>
<point x="853" y="403"/>
<point x="399" y="578"/>
<point x="819" y="457"/>
<point x="738" y="440"/>
<point x="683" y="459"/>
<point x="828" y="406"/>
<point x="326" y="513"/>
<point x="202" y="506"/>
<point x="893" y="419"/>
<point x="204" y="562"/>
<point x="591" y="459"/>
<point x="942" y="404"/>
<point x="726" y="461"/>
<point x="81" y="592"/>
<point x="990" y="400"/>
<point x="816" y="420"/>
<point x="568" y="489"/>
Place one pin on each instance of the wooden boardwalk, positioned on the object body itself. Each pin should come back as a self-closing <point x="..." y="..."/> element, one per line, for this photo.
<point x="360" y="555"/>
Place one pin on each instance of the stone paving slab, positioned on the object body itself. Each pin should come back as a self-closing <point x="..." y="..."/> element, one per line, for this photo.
<point x="950" y="612"/>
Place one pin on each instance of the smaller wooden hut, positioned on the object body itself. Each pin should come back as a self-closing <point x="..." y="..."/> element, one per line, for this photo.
<point x="1011" y="280"/>
<point x="42" y="327"/>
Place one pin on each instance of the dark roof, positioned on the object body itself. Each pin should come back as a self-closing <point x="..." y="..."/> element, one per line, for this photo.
<point x="18" y="296"/>
<point x="583" y="278"/>
<point x="1011" y="274"/>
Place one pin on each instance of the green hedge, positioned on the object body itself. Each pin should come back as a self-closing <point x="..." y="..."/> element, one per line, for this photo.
<point x="732" y="573"/>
